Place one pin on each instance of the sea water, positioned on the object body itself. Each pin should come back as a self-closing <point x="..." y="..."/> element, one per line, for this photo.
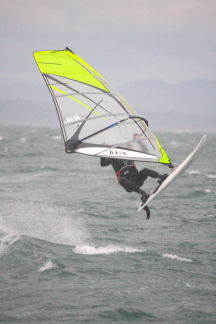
<point x="73" y="248"/>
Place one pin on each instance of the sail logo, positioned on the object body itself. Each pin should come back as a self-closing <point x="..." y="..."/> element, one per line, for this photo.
<point x="72" y="119"/>
<point x="117" y="152"/>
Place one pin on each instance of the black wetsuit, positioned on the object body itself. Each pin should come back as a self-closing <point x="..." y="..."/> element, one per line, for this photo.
<point x="127" y="174"/>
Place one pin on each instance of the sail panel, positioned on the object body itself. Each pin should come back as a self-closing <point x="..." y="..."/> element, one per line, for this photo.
<point x="117" y="153"/>
<point x="66" y="64"/>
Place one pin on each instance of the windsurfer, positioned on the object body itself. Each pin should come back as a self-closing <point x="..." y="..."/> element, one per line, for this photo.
<point x="130" y="178"/>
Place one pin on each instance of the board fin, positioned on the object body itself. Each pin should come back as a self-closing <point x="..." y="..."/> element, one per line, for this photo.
<point x="147" y="212"/>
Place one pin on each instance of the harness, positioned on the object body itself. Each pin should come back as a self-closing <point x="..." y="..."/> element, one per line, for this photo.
<point x="125" y="170"/>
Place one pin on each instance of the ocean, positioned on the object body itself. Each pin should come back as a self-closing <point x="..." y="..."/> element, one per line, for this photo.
<point x="74" y="249"/>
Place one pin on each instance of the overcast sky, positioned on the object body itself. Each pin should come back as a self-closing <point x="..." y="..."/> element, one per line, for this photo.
<point x="124" y="40"/>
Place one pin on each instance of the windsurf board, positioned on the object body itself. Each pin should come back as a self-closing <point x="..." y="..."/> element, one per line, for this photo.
<point x="178" y="171"/>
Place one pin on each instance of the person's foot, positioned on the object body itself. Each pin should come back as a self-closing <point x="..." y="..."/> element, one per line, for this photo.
<point x="144" y="198"/>
<point x="163" y="177"/>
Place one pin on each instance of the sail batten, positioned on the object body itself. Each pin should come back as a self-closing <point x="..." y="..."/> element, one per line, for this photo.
<point x="94" y="118"/>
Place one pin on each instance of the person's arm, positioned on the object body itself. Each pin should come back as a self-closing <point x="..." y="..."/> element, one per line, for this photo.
<point x="105" y="161"/>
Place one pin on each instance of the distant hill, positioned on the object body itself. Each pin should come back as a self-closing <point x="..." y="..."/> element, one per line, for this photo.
<point x="195" y="96"/>
<point x="27" y="112"/>
<point x="188" y="106"/>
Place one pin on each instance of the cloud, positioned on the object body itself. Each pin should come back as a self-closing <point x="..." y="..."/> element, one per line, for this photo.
<point x="114" y="18"/>
<point x="29" y="17"/>
<point x="122" y="39"/>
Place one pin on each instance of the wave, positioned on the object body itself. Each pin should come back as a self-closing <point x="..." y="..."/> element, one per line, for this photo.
<point x="48" y="265"/>
<point x="56" y="137"/>
<point x="22" y="139"/>
<point x="211" y="176"/>
<point x="208" y="190"/>
<point x="46" y="222"/>
<point x="22" y="177"/>
<point x="175" y="257"/>
<point x="128" y="315"/>
<point x="6" y="242"/>
<point x="7" y="237"/>
<point x="109" y="249"/>
<point x="194" y="172"/>
<point x="175" y="144"/>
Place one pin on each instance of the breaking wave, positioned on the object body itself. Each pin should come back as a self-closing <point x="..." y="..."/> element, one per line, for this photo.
<point x="211" y="176"/>
<point x="175" y="257"/>
<point x="109" y="249"/>
<point x="6" y="242"/>
<point x="48" y="265"/>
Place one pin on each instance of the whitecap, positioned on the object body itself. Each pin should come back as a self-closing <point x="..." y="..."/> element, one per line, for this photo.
<point x="22" y="140"/>
<point x="211" y="176"/>
<point x="6" y="241"/>
<point x="22" y="177"/>
<point x="56" y="137"/>
<point x="48" y="265"/>
<point x="176" y="257"/>
<point x="109" y="249"/>
<point x="194" y="172"/>
<point x="189" y="285"/>
<point x="175" y="144"/>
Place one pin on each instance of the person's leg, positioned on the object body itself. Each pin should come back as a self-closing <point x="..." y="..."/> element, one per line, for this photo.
<point x="144" y="195"/>
<point x="127" y="184"/>
<point x="144" y="173"/>
<point x="130" y="186"/>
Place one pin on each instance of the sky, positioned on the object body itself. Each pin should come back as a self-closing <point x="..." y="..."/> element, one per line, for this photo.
<point x="124" y="40"/>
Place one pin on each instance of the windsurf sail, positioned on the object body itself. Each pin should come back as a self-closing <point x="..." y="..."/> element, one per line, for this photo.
<point x="95" y="119"/>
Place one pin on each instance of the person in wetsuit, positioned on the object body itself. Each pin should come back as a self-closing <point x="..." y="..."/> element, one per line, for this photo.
<point x="131" y="179"/>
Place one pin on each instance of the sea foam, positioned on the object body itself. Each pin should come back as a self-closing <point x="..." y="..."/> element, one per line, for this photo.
<point x="109" y="249"/>
<point x="176" y="257"/>
<point x="48" y="265"/>
<point x="211" y="176"/>
<point x="7" y="241"/>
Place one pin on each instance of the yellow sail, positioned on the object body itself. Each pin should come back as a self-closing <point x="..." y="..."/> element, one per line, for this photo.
<point x="94" y="118"/>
